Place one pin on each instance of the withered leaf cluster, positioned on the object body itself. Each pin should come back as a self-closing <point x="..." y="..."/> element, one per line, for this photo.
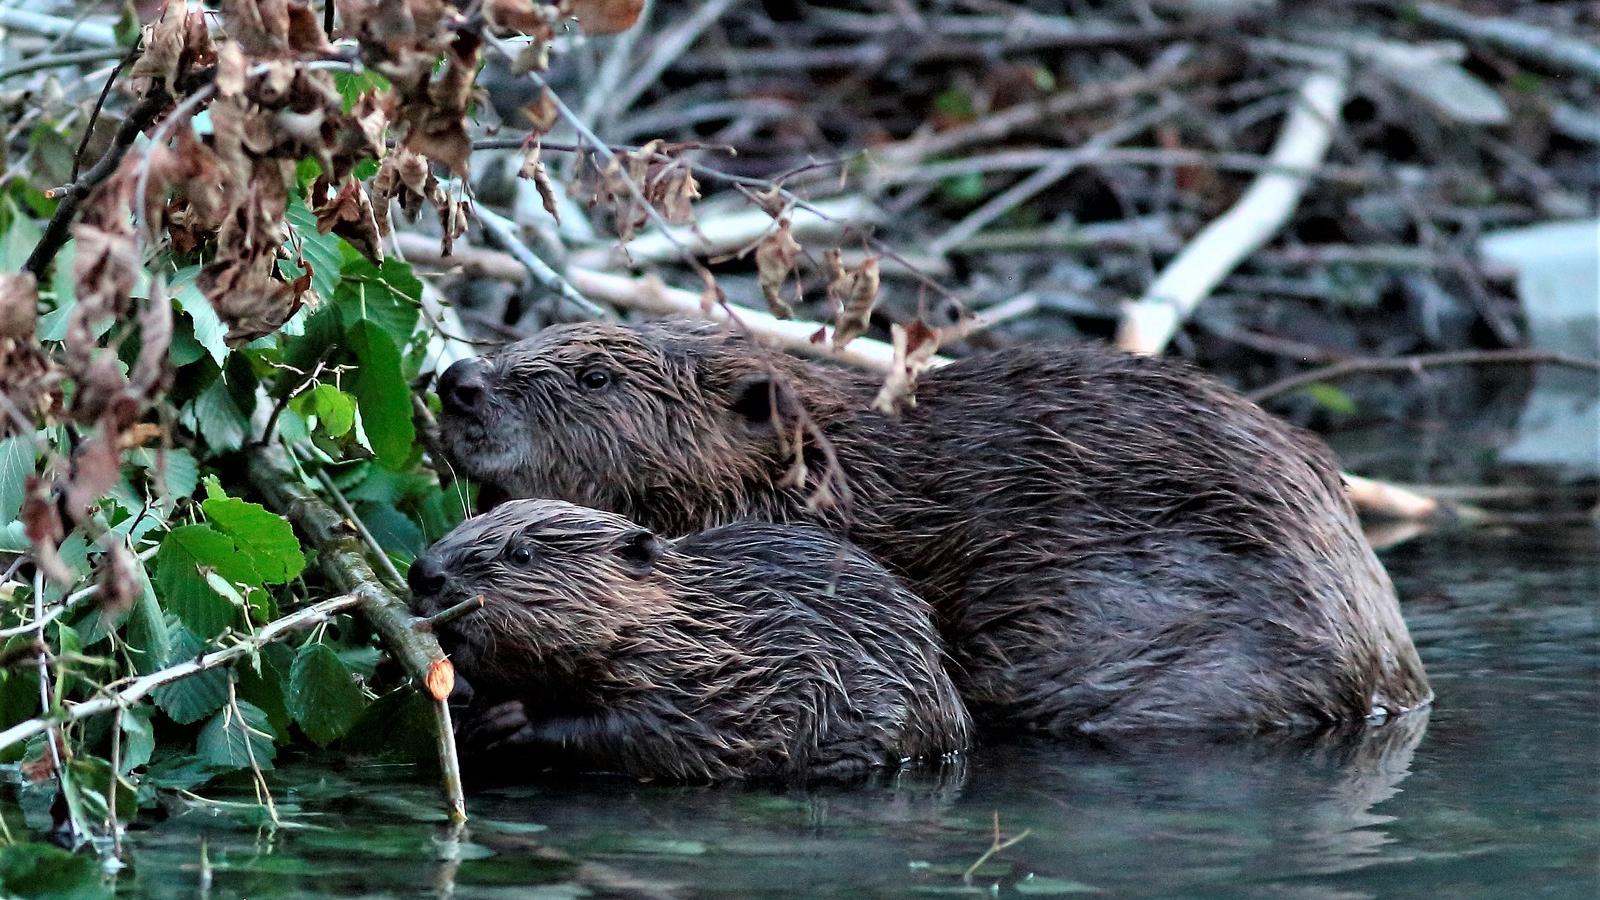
<point x="914" y="349"/>
<point x="775" y="258"/>
<point x="854" y="292"/>
<point x="664" y="181"/>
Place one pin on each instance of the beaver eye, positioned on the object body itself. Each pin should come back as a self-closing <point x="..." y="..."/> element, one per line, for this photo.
<point x="520" y="556"/>
<point x="593" y="379"/>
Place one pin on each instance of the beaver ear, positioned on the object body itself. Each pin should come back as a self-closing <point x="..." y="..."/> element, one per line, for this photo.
<point x="756" y="397"/>
<point x="639" y="547"/>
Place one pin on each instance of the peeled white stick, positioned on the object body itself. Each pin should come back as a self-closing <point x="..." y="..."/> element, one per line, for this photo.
<point x="1150" y="322"/>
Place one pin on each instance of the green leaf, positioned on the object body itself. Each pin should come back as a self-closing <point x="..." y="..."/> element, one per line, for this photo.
<point x="265" y="538"/>
<point x="53" y="324"/>
<point x="231" y="740"/>
<point x="138" y="738"/>
<point x="208" y="327"/>
<point x="387" y="295"/>
<point x="190" y="699"/>
<point x="147" y="633"/>
<point x="18" y="240"/>
<point x="266" y="688"/>
<point x="216" y="417"/>
<point x="320" y="251"/>
<point x="352" y="85"/>
<point x="395" y="532"/>
<point x="182" y="585"/>
<point x="45" y="872"/>
<point x="323" y="697"/>
<point x="1330" y="398"/>
<point x="335" y="410"/>
<point x="16" y="464"/>
<point x="383" y="395"/>
<point x="174" y="472"/>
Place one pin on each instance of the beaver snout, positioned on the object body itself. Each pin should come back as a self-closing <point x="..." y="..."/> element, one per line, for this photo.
<point x="427" y="581"/>
<point x="463" y="387"/>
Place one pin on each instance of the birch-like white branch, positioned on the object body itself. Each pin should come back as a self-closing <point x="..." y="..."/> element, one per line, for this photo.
<point x="1150" y="322"/>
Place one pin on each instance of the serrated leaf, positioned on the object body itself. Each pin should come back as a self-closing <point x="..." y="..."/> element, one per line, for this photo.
<point x="138" y="737"/>
<point x="147" y="634"/>
<point x="208" y="328"/>
<point x="323" y="697"/>
<point x="394" y="531"/>
<point x="216" y="417"/>
<point x="320" y="250"/>
<point x="335" y="409"/>
<point x="386" y="295"/>
<point x="175" y="472"/>
<point x="266" y="688"/>
<point x="16" y="464"/>
<point x="182" y="586"/>
<point x="383" y="395"/>
<point x="190" y="699"/>
<point x="236" y="737"/>
<point x="265" y="538"/>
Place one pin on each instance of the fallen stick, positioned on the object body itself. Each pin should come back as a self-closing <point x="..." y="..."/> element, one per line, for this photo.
<point x="342" y="558"/>
<point x="1149" y="323"/>
<point x="650" y="295"/>
<point x="1531" y="42"/>
<point x="825" y="220"/>
<point x="1389" y="501"/>
<point x="314" y="614"/>
<point x="1422" y="361"/>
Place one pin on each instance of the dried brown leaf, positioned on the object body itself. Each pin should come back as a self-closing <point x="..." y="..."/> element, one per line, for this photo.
<point x="605" y="16"/>
<point x="711" y="293"/>
<point x="529" y="17"/>
<point x="350" y="215"/>
<point x="914" y="348"/>
<point x="533" y="168"/>
<point x="858" y="294"/>
<point x="775" y="259"/>
<point x="19" y="305"/>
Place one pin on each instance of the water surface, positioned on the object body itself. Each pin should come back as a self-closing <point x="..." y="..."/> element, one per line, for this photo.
<point x="1496" y="793"/>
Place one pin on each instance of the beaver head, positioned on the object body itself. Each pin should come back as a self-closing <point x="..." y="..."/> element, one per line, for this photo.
<point x="626" y="418"/>
<point x="560" y="585"/>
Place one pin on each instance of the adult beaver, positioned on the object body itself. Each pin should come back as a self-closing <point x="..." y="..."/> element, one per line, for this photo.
<point x="748" y="651"/>
<point x="1110" y="542"/>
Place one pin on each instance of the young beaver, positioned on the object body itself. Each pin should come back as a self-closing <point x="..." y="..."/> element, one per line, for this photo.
<point x="1110" y="542"/>
<point x="748" y="651"/>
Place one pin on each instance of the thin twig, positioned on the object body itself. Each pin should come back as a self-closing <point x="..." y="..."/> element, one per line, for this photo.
<point x="58" y="60"/>
<point x="99" y="104"/>
<point x="141" y="687"/>
<point x="1422" y="361"/>
<point x="504" y="233"/>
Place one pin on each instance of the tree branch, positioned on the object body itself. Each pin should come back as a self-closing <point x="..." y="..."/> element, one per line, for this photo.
<point x="141" y="687"/>
<point x="341" y="556"/>
<point x="1419" y="362"/>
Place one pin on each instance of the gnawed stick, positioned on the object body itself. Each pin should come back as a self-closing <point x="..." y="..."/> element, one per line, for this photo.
<point x="342" y="558"/>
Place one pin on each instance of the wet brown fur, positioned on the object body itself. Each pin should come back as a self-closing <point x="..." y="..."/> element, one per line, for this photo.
<point x="1110" y="542"/>
<point x="748" y="651"/>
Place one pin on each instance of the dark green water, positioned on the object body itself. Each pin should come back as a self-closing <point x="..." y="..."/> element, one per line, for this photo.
<point x="1497" y="794"/>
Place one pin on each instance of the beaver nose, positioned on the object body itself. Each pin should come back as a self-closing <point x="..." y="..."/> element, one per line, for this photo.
<point x="463" y="387"/>
<point x="426" y="578"/>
